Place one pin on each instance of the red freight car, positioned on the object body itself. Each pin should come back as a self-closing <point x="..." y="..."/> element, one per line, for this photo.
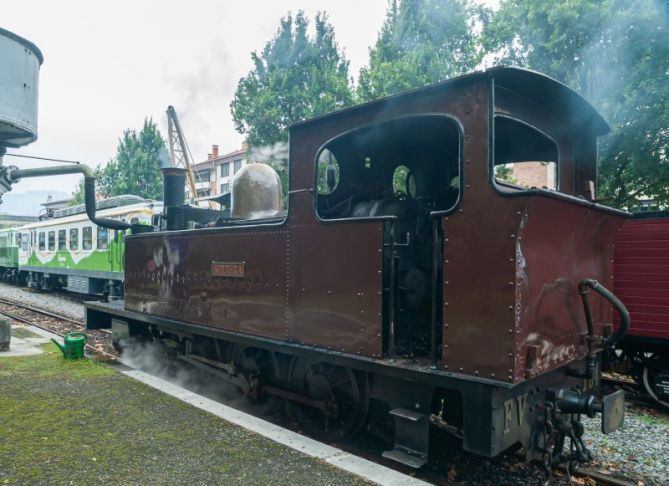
<point x="641" y="280"/>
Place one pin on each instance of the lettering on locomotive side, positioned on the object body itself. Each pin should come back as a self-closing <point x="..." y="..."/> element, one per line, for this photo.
<point x="228" y="269"/>
<point x="508" y="411"/>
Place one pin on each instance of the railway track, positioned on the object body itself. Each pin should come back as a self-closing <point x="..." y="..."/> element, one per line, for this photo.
<point x="99" y="341"/>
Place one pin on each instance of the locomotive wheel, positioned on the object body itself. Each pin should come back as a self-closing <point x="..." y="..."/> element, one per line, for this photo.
<point x="651" y="368"/>
<point x="261" y="365"/>
<point x="344" y="387"/>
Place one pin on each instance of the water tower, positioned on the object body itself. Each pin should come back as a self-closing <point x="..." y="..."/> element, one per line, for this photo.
<point x="19" y="81"/>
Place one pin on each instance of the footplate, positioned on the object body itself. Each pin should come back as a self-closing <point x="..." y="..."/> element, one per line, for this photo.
<point x="613" y="411"/>
<point x="412" y="438"/>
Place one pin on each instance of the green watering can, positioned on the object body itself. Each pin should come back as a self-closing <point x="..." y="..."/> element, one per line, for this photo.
<point x="74" y="345"/>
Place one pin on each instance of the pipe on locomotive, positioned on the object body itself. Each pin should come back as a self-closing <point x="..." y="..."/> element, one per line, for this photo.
<point x="89" y="189"/>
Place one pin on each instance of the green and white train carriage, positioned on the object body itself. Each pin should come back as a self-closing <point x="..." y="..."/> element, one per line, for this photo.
<point x="10" y="239"/>
<point x="69" y="252"/>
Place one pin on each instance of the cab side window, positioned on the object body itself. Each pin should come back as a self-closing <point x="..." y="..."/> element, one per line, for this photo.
<point x="42" y="241"/>
<point x="52" y="240"/>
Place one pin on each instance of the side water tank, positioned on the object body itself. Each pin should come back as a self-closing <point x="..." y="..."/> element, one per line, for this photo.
<point x="20" y="60"/>
<point x="256" y="192"/>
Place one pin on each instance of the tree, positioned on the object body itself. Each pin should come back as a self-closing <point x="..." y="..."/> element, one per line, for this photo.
<point x="294" y="77"/>
<point x="135" y="169"/>
<point x="421" y="42"/>
<point x="615" y="53"/>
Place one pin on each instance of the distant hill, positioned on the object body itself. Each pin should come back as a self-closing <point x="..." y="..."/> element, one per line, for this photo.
<point x="28" y="203"/>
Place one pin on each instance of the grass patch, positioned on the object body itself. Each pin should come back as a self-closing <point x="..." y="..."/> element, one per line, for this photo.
<point x="81" y="422"/>
<point x="655" y="419"/>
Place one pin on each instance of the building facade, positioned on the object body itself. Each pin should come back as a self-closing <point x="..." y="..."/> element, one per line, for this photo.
<point x="214" y="176"/>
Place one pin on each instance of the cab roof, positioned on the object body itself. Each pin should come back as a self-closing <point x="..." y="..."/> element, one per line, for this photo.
<point x="539" y="88"/>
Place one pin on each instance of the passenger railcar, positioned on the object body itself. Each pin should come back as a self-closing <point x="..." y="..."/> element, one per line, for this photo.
<point x="69" y="252"/>
<point x="10" y="240"/>
<point x="641" y="277"/>
<point x="412" y="283"/>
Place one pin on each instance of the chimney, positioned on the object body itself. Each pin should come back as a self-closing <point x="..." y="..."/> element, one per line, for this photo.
<point x="214" y="151"/>
<point x="210" y="156"/>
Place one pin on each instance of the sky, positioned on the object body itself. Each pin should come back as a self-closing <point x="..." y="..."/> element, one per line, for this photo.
<point x="108" y="65"/>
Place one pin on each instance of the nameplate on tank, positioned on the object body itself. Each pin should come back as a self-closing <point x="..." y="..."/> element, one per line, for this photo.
<point x="228" y="269"/>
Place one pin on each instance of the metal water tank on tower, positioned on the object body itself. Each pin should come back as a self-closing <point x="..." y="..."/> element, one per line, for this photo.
<point x="19" y="80"/>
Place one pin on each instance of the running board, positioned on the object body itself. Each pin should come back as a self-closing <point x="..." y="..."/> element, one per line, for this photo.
<point x="412" y="438"/>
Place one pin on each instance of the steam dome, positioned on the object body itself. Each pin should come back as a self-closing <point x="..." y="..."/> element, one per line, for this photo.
<point x="21" y="60"/>
<point x="256" y="192"/>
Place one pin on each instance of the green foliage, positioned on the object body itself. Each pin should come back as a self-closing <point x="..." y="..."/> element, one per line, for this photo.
<point x="295" y="76"/>
<point x="135" y="169"/>
<point x="616" y="53"/>
<point x="421" y="42"/>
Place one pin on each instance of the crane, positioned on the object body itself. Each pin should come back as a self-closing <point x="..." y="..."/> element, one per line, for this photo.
<point x="179" y="151"/>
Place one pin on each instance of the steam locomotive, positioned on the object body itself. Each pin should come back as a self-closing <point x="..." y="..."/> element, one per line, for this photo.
<point x="412" y="283"/>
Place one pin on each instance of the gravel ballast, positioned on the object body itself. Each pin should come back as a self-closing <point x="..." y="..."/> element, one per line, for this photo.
<point x="65" y="306"/>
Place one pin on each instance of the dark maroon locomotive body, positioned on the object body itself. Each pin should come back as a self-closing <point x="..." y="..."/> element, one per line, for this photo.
<point x="409" y="266"/>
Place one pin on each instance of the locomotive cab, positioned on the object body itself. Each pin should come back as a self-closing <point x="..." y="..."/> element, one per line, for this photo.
<point x="404" y="171"/>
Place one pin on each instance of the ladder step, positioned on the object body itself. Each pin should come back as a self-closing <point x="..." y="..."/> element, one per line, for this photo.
<point x="406" y="414"/>
<point x="402" y="457"/>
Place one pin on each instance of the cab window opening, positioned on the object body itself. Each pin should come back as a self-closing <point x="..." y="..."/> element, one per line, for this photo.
<point x="524" y="157"/>
<point x="402" y="168"/>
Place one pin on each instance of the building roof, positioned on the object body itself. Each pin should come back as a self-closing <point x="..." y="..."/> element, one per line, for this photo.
<point x="220" y="159"/>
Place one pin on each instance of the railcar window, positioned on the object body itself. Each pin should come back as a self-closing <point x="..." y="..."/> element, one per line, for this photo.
<point x="103" y="238"/>
<point x="405" y="168"/>
<point x="25" y="241"/>
<point x="524" y="157"/>
<point x="62" y="241"/>
<point x="87" y="238"/>
<point x="52" y="240"/>
<point x="74" y="239"/>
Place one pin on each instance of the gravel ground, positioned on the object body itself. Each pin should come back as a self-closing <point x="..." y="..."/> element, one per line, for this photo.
<point x="66" y="306"/>
<point x="638" y="453"/>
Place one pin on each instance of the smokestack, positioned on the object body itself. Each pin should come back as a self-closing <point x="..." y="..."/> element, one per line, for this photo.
<point x="174" y="193"/>
<point x="214" y="151"/>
